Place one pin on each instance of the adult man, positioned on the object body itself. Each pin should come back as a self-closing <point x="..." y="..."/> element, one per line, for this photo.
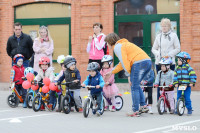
<point x="20" y="43"/>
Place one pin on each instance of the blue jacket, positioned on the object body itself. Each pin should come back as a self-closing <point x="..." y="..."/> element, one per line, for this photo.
<point x="93" y="81"/>
<point x="149" y="78"/>
<point x="184" y="74"/>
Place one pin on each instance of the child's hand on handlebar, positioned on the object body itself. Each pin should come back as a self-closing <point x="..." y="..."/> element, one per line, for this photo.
<point x="98" y="86"/>
<point x="83" y="85"/>
<point x="191" y="85"/>
<point x="156" y="86"/>
<point x="76" y="81"/>
<point x="107" y="83"/>
<point x="170" y="86"/>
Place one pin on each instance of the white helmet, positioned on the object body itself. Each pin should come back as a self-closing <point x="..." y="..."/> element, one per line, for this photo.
<point x="107" y="58"/>
<point x="61" y="59"/>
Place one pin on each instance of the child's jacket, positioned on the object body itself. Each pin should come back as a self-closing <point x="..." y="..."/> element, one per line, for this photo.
<point x="18" y="74"/>
<point x="149" y="78"/>
<point x="45" y="74"/>
<point x="110" y="90"/>
<point x="165" y="79"/>
<point x="93" y="81"/>
<point x="70" y="76"/>
<point x="184" y="74"/>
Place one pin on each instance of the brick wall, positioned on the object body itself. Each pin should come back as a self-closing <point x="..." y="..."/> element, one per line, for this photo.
<point x="190" y="33"/>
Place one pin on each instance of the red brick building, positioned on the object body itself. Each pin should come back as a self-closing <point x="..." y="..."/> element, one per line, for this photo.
<point x="70" y="23"/>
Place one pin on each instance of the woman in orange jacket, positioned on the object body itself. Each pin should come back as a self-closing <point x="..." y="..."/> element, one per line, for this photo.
<point x="136" y="64"/>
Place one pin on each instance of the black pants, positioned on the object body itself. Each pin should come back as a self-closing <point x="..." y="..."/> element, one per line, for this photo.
<point x="150" y="98"/>
<point x="99" y="97"/>
<point x="98" y="61"/>
<point x="158" y="68"/>
<point x="22" y="92"/>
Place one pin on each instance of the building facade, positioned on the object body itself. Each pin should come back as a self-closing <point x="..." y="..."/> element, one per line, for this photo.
<point x="70" y="24"/>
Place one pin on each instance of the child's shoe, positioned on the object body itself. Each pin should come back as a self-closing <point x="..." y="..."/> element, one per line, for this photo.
<point x="172" y="111"/>
<point x="50" y="106"/>
<point x="150" y="110"/>
<point x="189" y="113"/>
<point x="113" y="109"/>
<point x="106" y="108"/>
<point x="42" y="108"/>
<point x="94" y="111"/>
<point x="72" y="109"/>
<point x="133" y="114"/>
<point x="98" y="112"/>
<point x="58" y="110"/>
<point x="24" y="104"/>
<point x="80" y="110"/>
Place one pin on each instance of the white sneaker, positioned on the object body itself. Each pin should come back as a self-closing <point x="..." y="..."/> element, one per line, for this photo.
<point x="150" y="110"/>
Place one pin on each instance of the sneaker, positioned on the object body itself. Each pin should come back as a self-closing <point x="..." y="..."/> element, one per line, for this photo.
<point x="24" y="104"/>
<point x="133" y="114"/>
<point x="144" y="109"/>
<point x="189" y="112"/>
<point x="72" y="109"/>
<point x="42" y="108"/>
<point x="150" y="110"/>
<point x="94" y="111"/>
<point x="98" y="112"/>
<point x="113" y="109"/>
<point x="80" y="110"/>
<point x="50" y="106"/>
<point x="172" y="111"/>
<point x="106" y="108"/>
<point x="175" y="112"/>
<point x="58" y="110"/>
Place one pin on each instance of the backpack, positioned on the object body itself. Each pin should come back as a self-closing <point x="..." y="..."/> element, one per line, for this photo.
<point x="105" y="48"/>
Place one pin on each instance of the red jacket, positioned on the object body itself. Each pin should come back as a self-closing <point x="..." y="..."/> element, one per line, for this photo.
<point x="19" y="73"/>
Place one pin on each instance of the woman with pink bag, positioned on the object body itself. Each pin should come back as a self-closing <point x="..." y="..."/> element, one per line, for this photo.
<point x="110" y="89"/>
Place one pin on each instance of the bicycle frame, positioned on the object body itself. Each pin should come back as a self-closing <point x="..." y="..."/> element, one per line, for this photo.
<point x="164" y="96"/>
<point x="15" y="92"/>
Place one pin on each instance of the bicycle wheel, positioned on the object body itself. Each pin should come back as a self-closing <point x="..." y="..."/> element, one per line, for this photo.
<point x="29" y="99"/>
<point x="119" y="103"/>
<point x="161" y="106"/>
<point x="86" y="108"/>
<point x="66" y="106"/>
<point x="36" y="103"/>
<point x="13" y="101"/>
<point x="180" y="107"/>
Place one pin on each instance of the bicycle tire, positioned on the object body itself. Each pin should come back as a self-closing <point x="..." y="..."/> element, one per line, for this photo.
<point x="86" y="108"/>
<point x="119" y="101"/>
<point x="36" y="101"/>
<point x="180" y="107"/>
<point x="160" y="105"/>
<point x="29" y="99"/>
<point x="13" y="101"/>
<point x="66" y="105"/>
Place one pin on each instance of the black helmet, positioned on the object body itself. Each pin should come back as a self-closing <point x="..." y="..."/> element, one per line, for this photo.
<point x="93" y="66"/>
<point x="68" y="60"/>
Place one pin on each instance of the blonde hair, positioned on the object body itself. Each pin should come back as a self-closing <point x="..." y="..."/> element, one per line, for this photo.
<point x="48" y="33"/>
<point x="112" y="38"/>
<point x="165" y="21"/>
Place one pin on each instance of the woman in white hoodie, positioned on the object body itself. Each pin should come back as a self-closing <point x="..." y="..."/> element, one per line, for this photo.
<point x="165" y="44"/>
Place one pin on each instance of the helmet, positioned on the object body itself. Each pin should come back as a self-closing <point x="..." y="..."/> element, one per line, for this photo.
<point x="166" y="61"/>
<point x="61" y="59"/>
<point x="68" y="60"/>
<point x="93" y="66"/>
<point x="184" y="57"/>
<point x="28" y="70"/>
<point x="44" y="60"/>
<point x="17" y="56"/>
<point x="107" y="58"/>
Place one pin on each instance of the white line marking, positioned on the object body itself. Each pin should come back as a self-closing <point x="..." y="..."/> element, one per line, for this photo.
<point x="5" y="110"/>
<point x="5" y="119"/>
<point x="166" y="127"/>
<point x="15" y="120"/>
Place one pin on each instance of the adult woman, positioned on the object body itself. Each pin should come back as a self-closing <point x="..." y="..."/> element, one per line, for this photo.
<point x="166" y="44"/>
<point x="96" y="44"/>
<point x="42" y="46"/>
<point x="136" y="63"/>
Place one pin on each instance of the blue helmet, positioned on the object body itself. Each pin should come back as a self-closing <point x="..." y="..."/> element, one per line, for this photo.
<point x="184" y="57"/>
<point x="28" y="70"/>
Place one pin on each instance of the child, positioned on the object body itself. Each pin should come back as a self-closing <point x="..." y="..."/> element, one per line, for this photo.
<point x="45" y="71"/>
<point x="184" y="74"/>
<point x="165" y="78"/>
<point x="95" y="79"/>
<point x="17" y="73"/>
<point x="60" y="60"/>
<point x="110" y="89"/>
<point x="148" y="81"/>
<point x="72" y="74"/>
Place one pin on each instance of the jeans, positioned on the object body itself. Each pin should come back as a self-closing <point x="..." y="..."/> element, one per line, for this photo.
<point x="52" y="97"/>
<point x="187" y="94"/>
<point x="172" y="67"/>
<point x="138" y="72"/>
<point x="25" y="63"/>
